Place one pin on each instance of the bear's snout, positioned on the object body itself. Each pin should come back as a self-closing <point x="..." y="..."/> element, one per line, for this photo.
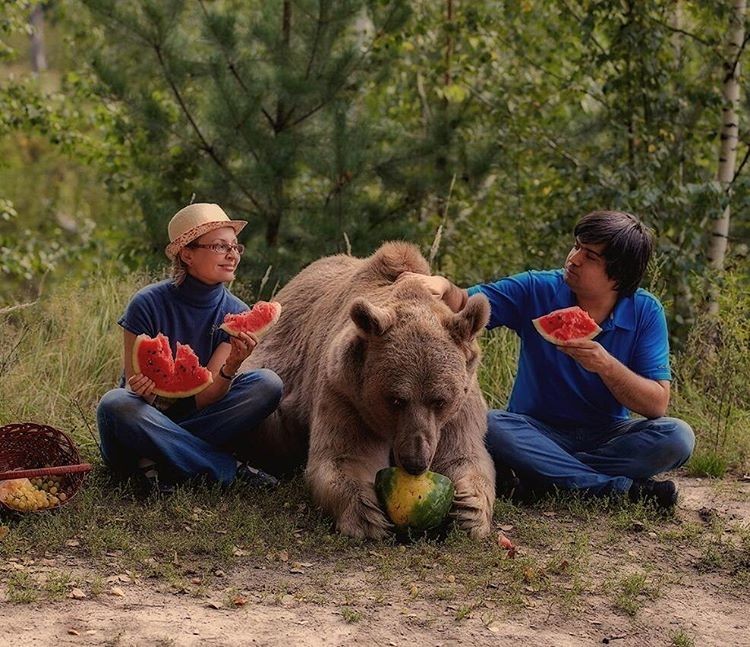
<point x="414" y="453"/>
<point x="415" y="468"/>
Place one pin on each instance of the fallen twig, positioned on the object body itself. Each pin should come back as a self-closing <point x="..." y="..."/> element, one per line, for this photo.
<point x="17" y="307"/>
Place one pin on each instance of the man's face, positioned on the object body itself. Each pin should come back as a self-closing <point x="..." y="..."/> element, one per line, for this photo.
<point x="585" y="270"/>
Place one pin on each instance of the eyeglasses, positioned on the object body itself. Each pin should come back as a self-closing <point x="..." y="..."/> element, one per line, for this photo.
<point x="221" y="248"/>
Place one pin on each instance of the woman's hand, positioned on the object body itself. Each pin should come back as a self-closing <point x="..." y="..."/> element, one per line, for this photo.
<point x="143" y="386"/>
<point x="243" y="346"/>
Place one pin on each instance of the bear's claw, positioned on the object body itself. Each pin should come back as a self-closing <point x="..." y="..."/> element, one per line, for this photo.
<point x="472" y="508"/>
<point x="363" y="518"/>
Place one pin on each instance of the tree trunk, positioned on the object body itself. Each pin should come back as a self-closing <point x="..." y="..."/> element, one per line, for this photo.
<point x="447" y="76"/>
<point x="273" y="225"/>
<point x="717" y="245"/>
<point x="38" y="51"/>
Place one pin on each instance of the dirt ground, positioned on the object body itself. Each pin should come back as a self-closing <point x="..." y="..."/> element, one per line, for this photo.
<point x="263" y="606"/>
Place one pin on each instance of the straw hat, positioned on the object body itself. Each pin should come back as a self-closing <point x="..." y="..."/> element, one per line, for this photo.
<point x="193" y="221"/>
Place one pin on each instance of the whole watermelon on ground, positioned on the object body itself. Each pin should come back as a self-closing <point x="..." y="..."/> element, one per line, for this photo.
<point x="414" y="502"/>
<point x="178" y="377"/>
<point x="566" y="324"/>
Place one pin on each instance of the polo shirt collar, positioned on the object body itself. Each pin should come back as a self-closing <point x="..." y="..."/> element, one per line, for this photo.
<point x="622" y="316"/>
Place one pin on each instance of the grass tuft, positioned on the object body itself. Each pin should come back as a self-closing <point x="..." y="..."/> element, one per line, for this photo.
<point x="708" y="464"/>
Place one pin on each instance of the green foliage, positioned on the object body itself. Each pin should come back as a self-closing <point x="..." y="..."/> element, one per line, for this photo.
<point x="251" y="105"/>
<point x="329" y="124"/>
<point x="498" y="368"/>
<point x="711" y="381"/>
<point x="595" y="105"/>
<point x="13" y="14"/>
<point x="56" y="217"/>
<point x="51" y="217"/>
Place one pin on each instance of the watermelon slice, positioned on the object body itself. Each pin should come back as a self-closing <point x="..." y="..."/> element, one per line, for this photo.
<point x="566" y="324"/>
<point x="258" y="321"/>
<point x="180" y="377"/>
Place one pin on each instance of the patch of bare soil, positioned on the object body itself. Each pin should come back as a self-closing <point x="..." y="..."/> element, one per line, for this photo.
<point x="285" y="606"/>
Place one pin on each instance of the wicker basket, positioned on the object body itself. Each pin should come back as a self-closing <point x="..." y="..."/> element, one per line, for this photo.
<point x="29" y="450"/>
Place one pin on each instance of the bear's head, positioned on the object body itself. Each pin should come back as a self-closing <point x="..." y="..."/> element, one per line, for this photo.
<point x="407" y="367"/>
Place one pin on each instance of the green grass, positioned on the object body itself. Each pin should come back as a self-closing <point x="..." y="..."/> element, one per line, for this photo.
<point x="710" y="388"/>
<point x="21" y="588"/>
<point x="631" y="592"/>
<point x="351" y="615"/>
<point x="680" y="638"/>
<point x="57" y="585"/>
<point x="707" y="464"/>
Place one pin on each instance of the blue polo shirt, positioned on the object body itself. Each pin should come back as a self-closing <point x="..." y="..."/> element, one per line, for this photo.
<point x="554" y="388"/>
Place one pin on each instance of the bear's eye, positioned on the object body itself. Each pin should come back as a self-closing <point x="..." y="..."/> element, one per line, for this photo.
<point x="438" y="404"/>
<point x="397" y="403"/>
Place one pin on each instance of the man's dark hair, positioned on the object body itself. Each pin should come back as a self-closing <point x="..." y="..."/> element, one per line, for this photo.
<point x="628" y="244"/>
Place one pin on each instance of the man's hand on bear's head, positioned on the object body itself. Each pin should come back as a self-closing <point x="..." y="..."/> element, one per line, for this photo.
<point x="437" y="285"/>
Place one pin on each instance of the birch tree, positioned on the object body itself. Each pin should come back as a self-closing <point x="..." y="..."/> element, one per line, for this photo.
<point x="717" y="245"/>
<point x="38" y="50"/>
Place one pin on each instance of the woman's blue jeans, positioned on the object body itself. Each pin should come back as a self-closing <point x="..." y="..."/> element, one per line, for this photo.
<point x="597" y="460"/>
<point x="200" y="444"/>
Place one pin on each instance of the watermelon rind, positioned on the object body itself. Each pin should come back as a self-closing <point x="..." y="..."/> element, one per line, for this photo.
<point x="191" y="365"/>
<point x="236" y="323"/>
<point x="414" y="503"/>
<point x="559" y="342"/>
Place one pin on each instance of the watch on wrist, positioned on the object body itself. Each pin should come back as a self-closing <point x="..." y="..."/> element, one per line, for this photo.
<point x="224" y="375"/>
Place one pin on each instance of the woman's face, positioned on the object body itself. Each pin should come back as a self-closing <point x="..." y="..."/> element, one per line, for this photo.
<point x="213" y="257"/>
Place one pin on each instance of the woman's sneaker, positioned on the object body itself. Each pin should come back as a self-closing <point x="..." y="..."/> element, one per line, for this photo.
<point x="255" y="478"/>
<point x="661" y="493"/>
<point x="154" y="485"/>
<point x="506" y="482"/>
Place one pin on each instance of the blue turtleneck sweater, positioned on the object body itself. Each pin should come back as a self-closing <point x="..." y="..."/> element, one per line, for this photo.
<point x="190" y="313"/>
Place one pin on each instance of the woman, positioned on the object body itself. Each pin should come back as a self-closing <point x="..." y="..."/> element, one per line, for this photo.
<point x="174" y="440"/>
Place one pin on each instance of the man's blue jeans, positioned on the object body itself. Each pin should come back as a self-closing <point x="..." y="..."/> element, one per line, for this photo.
<point x="200" y="444"/>
<point x="598" y="461"/>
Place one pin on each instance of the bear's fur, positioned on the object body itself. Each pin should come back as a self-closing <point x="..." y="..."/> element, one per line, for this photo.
<point x="376" y="371"/>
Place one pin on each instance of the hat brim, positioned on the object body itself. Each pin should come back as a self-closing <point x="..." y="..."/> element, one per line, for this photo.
<point x="190" y="235"/>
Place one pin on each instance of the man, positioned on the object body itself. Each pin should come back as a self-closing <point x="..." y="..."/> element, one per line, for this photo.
<point x="567" y="424"/>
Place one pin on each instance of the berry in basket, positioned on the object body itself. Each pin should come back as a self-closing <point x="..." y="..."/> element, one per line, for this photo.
<point x="27" y="495"/>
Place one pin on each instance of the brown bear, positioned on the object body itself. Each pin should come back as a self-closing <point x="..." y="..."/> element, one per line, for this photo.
<point x="376" y="371"/>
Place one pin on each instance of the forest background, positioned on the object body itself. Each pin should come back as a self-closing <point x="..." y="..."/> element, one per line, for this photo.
<point x="480" y="130"/>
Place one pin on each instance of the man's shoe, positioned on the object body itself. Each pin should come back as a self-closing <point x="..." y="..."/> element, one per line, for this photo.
<point x="661" y="493"/>
<point x="255" y="478"/>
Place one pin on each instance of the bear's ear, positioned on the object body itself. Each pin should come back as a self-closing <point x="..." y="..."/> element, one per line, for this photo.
<point x="466" y="324"/>
<point x="369" y="319"/>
